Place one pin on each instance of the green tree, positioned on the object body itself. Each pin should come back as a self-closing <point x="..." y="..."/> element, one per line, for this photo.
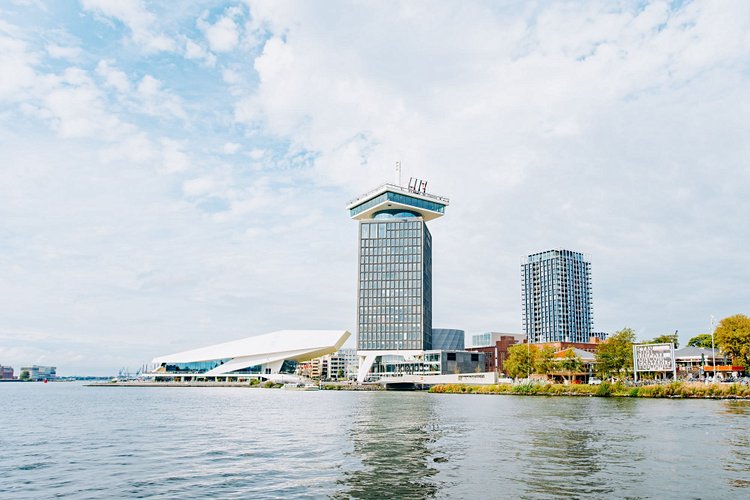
<point x="520" y="361"/>
<point x="733" y="337"/>
<point x="701" y="340"/>
<point x="615" y="355"/>
<point x="668" y="338"/>
<point x="569" y="363"/>
<point x="545" y="360"/>
<point x="24" y="375"/>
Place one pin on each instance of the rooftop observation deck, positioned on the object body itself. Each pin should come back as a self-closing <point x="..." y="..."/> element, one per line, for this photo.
<point x="394" y="197"/>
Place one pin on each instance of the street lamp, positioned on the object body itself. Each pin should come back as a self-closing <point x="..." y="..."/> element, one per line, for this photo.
<point x="713" y="348"/>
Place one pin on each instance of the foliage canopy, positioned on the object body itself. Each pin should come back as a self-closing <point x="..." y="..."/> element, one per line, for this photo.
<point x="520" y="361"/>
<point x="733" y="337"/>
<point x="668" y="338"/>
<point x="701" y="340"/>
<point x="615" y="355"/>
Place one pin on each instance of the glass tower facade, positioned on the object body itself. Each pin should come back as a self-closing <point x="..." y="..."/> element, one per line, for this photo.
<point x="395" y="283"/>
<point x="556" y="294"/>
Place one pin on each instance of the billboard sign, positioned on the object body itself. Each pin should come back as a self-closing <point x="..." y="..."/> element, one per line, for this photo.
<point x="653" y="358"/>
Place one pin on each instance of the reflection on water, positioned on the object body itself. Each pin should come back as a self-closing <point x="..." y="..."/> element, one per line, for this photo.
<point x="393" y="437"/>
<point x="569" y="450"/>
<point x="737" y="439"/>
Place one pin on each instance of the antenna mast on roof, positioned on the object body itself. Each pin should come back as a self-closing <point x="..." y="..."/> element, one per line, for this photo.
<point x="398" y="173"/>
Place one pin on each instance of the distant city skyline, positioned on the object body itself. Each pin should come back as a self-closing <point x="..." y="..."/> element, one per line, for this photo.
<point x="174" y="175"/>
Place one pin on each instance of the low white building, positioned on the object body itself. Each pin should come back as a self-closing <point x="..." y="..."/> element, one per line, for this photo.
<point x="272" y="356"/>
<point x="40" y="372"/>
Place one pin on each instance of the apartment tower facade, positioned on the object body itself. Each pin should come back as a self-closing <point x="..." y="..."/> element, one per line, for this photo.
<point x="556" y="295"/>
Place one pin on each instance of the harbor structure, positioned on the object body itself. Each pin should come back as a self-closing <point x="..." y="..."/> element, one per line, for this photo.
<point x="556" y="295"/>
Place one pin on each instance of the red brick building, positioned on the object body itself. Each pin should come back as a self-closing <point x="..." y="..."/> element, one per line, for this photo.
<point x="496" y="354"/>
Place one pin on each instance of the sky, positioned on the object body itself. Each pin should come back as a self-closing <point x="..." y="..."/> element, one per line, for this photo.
<point x="175" y="174"/>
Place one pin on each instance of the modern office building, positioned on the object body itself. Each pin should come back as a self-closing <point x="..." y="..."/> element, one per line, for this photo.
<point x="267" y="356"/>
<point x="556" y="295"/>
<point x="6" y="372"/>
<point x="40" y="372"/>
<point x="394" y="292"/>
<point x="447" y="339"/>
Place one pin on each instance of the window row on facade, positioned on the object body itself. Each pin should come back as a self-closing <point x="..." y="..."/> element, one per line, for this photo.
<point x="399" y="305"/>
<point x="394" y="284"/>
<point x="391" y="251"/>
<point x="390" y="309"/>
<point x="392" y="323"/>
<point x="391" y="263"/>
<point x="400" y="229"/>
<point x="366" y="275"/>
<point x="389" y="293"/>
<point x="391" y="267"/>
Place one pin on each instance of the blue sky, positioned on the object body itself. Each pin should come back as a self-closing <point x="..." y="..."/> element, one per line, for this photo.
<point x="173" y="175"/>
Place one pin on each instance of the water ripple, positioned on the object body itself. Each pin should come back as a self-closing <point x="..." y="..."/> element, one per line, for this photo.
<point x="239" y="443"/>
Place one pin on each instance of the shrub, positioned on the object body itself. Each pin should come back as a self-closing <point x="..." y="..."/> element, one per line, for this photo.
<point x="604" y="390"/>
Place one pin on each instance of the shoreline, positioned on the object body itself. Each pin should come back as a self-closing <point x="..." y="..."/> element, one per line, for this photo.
<point x="673" y="390"/>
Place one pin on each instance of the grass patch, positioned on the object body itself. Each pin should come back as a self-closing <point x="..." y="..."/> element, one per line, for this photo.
<point x="605" y="389"/>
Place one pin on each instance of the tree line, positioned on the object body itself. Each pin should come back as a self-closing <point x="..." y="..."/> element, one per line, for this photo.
<point x="614" y="356"/>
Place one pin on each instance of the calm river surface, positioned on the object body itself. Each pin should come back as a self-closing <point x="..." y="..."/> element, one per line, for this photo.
<point x="67" y="440"/>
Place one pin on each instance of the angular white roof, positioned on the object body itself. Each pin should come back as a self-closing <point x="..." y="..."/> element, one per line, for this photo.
<point x="298" y="345"/>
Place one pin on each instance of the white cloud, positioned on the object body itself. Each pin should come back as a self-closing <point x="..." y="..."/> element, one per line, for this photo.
<point x="156" y="101"/>
<point x="113" y="77"/>
<point x="196" y="51"/>
<point x="16" y="64"/>
<point x="173" y="157"/>
<point x="222" y="36"/>
<point x="140" y="22"/>
<point x="61" y="52"/>
<point x="231" y="148"/>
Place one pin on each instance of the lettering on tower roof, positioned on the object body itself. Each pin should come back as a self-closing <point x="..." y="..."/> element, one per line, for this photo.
<point x="417" y="185"/>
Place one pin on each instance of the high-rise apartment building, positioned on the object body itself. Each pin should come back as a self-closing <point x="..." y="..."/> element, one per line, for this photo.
<point x="556" y="294"/>
<point x="394" y="292"/>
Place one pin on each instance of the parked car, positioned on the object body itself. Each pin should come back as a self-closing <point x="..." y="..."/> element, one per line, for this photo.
<point x="594" y="381"/>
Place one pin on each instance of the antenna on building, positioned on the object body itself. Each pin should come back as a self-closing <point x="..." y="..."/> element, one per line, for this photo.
<point x="398" y="173"/>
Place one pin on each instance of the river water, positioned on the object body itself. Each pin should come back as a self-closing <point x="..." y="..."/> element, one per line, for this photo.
<point x="67" y="440"/>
